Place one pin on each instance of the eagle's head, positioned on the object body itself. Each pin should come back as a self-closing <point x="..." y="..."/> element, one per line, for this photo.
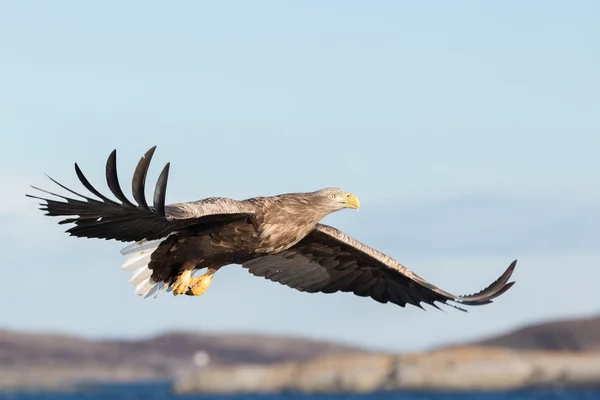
<point x="335" y="199"/>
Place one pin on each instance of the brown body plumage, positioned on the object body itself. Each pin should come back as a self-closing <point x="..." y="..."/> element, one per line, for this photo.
<point x="277" y="237"/>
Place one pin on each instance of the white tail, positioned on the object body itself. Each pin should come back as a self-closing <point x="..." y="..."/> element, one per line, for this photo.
<point x="138" y="257"/>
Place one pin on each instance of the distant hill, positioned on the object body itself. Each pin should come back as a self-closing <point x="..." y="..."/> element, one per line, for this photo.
<point x="578" y="335"/>
<point x="173" y="348"/>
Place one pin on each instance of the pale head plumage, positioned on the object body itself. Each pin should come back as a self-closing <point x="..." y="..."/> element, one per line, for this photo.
<point x="336" y="199"/>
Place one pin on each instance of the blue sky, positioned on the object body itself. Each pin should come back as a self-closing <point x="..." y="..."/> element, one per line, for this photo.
<point x="470" y="132"/>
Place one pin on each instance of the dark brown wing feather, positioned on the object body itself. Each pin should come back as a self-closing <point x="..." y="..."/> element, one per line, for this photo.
<point x="327" y="261"/>
<point x="126" y="221"/>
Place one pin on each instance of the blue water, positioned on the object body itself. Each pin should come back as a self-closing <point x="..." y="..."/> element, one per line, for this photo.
<point x="162" y="392"/>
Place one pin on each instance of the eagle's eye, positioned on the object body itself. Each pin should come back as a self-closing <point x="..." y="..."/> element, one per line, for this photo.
<point x="332" y="196"/>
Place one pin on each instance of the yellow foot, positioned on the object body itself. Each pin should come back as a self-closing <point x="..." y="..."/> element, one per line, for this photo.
<point x="199" y="284"/>
<point x="182" y="283"/>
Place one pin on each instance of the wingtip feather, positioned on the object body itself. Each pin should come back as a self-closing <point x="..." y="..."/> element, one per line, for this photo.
<point x="112" y="179"/>
<point x="495" y="289"/>
<point x="138" y="183"/>
<point x="160" y="191"/>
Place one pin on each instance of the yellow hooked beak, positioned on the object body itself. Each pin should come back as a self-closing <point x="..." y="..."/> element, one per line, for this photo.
<point x="351" y="201"/>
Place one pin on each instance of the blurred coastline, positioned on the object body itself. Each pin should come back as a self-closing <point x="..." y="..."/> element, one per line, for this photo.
<point x="560" y="354"/>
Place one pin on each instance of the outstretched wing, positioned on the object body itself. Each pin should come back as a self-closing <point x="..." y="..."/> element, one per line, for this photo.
<point x="327" y="261"/>
<point x="126" y="221"/>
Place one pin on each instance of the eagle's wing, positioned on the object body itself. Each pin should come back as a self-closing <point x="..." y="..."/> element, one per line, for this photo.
<point x="327" y="260"/>
<point x="126" y="221"/>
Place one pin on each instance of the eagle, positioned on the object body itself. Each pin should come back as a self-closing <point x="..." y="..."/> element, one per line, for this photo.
<point x="279" y="238"/>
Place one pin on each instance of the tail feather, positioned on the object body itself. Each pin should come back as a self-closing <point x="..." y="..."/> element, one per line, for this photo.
<point x="145" y="286"/>
<point x="138" y="256"/>
<point x="162" y="287"/>
<point x="140" y="274"/>
<point x="138" y="262"/>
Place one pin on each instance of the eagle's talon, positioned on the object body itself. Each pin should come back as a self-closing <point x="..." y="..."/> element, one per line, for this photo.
<point x="199" y="284"/>
<point x="182" y="283"/>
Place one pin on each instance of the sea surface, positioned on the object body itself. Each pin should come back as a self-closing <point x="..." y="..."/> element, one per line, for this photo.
<point x="162" y="392"/>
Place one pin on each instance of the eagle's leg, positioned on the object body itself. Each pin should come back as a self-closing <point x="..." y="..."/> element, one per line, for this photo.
<point x="199" y="284"/>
